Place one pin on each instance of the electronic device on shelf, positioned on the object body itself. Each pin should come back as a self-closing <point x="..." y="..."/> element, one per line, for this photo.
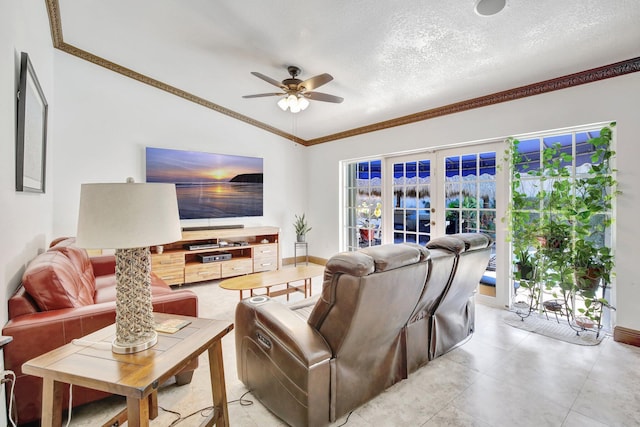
<point x="223" y="243"/>
<point x="200" y="246"/>
<point x="213" y="227"/>
<point x="246" y="172"/>
<point x="214" y="256"/>
<point x="240" y="243"/>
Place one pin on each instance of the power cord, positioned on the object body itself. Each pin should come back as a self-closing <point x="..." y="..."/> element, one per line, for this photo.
<point x="242" y="400"/>
<point x="11" y="380"/>
<point x="181" y="418"/>
<point x="70" y="404"/>
<point x="347" y="420"/>
<point x="203" y="411"/>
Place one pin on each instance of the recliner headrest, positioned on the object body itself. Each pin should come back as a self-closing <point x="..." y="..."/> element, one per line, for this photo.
<point x="353" y="263"/>
<point x="390" y="256"/>
<point x="474" y="241"/>
<point x="376" y="259"/>
<point x="447" y="243"/>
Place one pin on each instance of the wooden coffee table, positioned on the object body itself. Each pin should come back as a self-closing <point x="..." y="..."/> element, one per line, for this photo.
<point x="136" y="376"/>
<point x="268" y="279"/>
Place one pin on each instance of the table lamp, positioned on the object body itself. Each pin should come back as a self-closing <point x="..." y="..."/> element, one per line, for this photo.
<point x="129" y="217"/>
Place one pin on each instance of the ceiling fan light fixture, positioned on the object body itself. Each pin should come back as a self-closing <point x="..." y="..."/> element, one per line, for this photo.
<point x="489" y="7"/>
<point x="303" y="103"/>
<point x="296" y="93"/>
<point x="295" y="103"/>
<point x="283" y="104"/>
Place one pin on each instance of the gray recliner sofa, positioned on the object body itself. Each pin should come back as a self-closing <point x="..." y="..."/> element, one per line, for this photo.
<point x="313" y="362"/>
<point x="453" y="319"/>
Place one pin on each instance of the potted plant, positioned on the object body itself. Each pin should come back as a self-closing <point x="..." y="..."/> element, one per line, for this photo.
<point x="302" y="228"/>
<point x="591" y="264"/>
<point x="554" y="236"/>
<point x="369" y="219"/>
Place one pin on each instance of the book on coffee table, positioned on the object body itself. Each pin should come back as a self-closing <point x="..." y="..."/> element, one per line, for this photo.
<point x="171" y="326"/>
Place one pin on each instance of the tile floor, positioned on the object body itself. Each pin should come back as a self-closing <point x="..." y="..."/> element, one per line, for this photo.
<point x="503" y="376"/>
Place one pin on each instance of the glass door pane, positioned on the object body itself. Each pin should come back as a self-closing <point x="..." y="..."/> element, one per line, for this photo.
<point x="470" y="193"/>
<point x="363" y="204"/>
<point x="412" y="201"/>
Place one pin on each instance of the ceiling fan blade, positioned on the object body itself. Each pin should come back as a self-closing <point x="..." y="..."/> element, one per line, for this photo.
<point x="260" y="95"/>
<point x="268" y="79"/>
<point x="315" y="82"/>
<point x="319" y="96"/>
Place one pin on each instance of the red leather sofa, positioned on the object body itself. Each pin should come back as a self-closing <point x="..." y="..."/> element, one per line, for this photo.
<point x="65" y="294"/>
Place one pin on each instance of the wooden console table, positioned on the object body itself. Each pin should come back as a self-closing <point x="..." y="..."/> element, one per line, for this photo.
<point x="136" y="376"/>
<point x="249" y="250"/>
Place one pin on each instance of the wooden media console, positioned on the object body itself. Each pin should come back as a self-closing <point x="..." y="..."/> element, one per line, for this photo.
<point x="234" y="251"/>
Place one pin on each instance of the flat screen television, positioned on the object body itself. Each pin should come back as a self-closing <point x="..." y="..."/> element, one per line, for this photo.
<point x="209" y="185"/>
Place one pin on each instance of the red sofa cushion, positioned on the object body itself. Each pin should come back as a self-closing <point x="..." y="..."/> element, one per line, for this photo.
<point x="53" y="282"/>
<point x="81" y="262"/>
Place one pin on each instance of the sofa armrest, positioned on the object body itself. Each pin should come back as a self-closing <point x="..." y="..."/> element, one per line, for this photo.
<point x="37" y="333"/>
<point x="103" y="265"/>
<point x="285" y="362"/>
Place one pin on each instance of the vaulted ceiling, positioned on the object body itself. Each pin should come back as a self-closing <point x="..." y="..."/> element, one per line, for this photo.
<point x="393" y="62"/>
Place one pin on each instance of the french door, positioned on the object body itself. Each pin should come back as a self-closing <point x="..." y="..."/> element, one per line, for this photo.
<point x="444" y="192"/>
<point x="414" y="198"/>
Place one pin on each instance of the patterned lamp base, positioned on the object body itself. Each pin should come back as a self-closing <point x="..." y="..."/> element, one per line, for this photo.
<point x="135" y="326"/>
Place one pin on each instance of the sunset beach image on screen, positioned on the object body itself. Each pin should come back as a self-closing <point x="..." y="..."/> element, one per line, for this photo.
<point x="209" y="185"/>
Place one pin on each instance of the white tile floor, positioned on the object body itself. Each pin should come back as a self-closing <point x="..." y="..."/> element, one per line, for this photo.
<point x="503" y="376"/>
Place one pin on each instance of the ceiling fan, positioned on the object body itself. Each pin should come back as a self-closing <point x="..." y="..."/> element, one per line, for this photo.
<point x="296" y="92"/>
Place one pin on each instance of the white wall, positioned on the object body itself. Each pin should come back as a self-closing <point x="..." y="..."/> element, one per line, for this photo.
<point x="105" y="120"/>
<point x="25" y="218"/>
<point x="613" y="99"/>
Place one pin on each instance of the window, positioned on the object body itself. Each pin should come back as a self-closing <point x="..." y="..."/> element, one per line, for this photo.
<point x="563" y="186"/>
<point x="470" y="189"/>
<point x="577" y="162"/>
<point x="363" y="204"/>
<point x="412" y="201"/>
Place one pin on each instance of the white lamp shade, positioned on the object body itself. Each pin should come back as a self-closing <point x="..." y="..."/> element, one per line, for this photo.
<point x="127" y="215"/>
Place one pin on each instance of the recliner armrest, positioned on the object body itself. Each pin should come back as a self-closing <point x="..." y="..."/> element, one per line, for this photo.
<point x="264" y="320"/>
<point x="284" y="361"/>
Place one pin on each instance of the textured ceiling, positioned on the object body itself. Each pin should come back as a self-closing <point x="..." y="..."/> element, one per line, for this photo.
<point x="388" y="58"/>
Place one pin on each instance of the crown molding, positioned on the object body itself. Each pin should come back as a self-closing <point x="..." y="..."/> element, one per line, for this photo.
<point x="53" y="9"/>
<point x="564" y="82"/>
<point x="583" y="77"/>
<point x="87" y="56"/>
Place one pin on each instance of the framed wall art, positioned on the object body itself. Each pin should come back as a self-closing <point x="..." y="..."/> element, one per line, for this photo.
<point x="31" y="139"/>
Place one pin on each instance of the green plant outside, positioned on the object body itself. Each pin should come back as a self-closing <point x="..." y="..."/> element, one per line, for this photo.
<point x="555" y="235"/>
